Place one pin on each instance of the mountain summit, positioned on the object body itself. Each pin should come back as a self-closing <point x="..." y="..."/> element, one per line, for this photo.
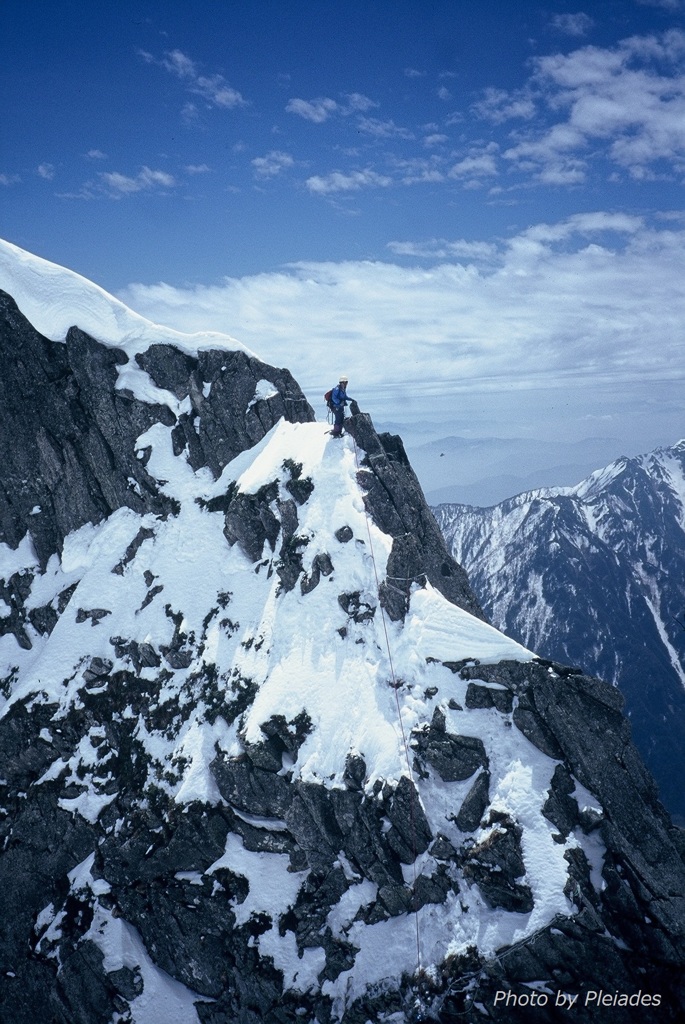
<point x="262" y="759"/>
<point x="595" y="574"/>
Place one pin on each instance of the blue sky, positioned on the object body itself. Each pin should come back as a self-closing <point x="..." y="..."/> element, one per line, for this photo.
<point x="475" y="209"/>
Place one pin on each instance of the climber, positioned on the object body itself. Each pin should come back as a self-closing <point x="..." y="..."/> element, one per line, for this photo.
<point x="339" y="399"/>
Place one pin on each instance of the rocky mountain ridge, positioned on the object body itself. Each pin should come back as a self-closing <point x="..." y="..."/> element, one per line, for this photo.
<point x="595" y="575"/>
<point x="261" y="757"/>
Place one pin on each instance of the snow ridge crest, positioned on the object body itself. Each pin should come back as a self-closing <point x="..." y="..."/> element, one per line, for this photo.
<point x="257" y="716"/>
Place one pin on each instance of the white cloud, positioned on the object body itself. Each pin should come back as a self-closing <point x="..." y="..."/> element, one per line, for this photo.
<point x="442" y="249"/>
<point x="197" y="169"/>
<point x="586" y="224"/>
<point x="213" y="88"/>
<point x="218" y="92"/>
<point x="382" y="129"/>
<point x="435" y="139"/>
<point x="150" y="179"/>
<point x="479" y="162"/>
<point x="46" y="171"/>
<point x="420" y="172"/>
<point x="499" y="106"/>
<point x="627" y="103"/>
<point x="357" y="101"/>
<point x="121" y="184"/>
<point x="317" y="111"/>
<point x="566" y="172"/>
<point x="272" y="164"/>
<point x="578" y="24"/>
<point x="667" y="5"/>
<point x="474" y="166"/>
<point x="96" y="154"/>
<point x="118" y="185"/>
<point x="338" y="181"/>
<point x="596" y="299"/>
<point x="190" y="115"/>
<point x="9" y="179"/>
<point x="179" y="64"/>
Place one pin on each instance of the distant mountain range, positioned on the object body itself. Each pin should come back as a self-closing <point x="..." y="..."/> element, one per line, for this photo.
<point x="595" y="574"/>
<point x="486" y="470"/>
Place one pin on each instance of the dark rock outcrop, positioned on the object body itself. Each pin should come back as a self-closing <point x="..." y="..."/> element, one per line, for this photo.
<point x="95" y="830"/>
<point x="154" y="868"/>
<point x="396" y="504"/>
<point x="608" y="560"/>
<point x="67" y="447"/>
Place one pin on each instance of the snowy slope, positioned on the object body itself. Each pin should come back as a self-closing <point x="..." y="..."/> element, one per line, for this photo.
<point x="54" y="299"/>
<point x="288" y="645"/>
<point x="266" y="789"/>
<point x="593" y="574"/>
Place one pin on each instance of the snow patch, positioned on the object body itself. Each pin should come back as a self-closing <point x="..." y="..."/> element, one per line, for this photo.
<point x="264" y="390"/>
<point x="17" y="559"/>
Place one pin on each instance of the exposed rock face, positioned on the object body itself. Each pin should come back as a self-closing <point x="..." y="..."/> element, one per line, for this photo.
<point x="595" y="575"/>
<point x="261" y="758"/>
<point x="157" y="867"/>
<point x="67" y="448"/>
<point x="396" y="503"/>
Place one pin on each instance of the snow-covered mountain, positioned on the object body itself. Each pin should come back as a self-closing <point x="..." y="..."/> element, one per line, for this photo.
<point x="595" y="575"/>
<point x="262" y="759"/>
<point x="483" y="471"/>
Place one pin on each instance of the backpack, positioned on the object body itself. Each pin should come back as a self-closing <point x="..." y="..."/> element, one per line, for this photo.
<point x="327" y="398"/>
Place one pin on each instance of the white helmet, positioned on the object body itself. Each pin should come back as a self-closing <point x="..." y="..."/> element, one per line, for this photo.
<point x="344" y="379"/>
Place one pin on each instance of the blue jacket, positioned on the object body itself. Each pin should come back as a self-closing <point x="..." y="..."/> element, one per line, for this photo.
<point x="339" y="397"/>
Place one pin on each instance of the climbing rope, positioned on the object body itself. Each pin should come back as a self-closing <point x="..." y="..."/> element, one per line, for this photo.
<point x="405" y="743"/>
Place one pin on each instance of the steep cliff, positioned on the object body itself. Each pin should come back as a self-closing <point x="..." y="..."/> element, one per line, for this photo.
<point x="261" y="757"/>
<point x="595" y="575"/>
